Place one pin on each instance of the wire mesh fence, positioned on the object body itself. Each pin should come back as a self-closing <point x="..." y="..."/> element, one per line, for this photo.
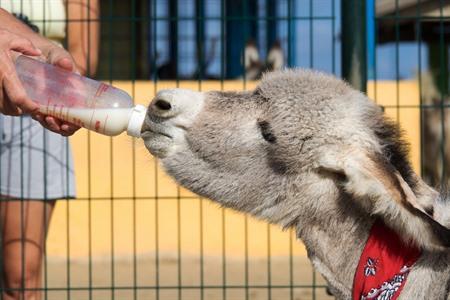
<point x="131" y="232"/>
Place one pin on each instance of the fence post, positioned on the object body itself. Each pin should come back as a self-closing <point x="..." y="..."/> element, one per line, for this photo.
<point x="173" y="34"/>
<point x="200" y="38"/>
<point x="354" y="47"/>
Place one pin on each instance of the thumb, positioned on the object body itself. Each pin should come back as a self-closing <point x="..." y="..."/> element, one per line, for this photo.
<point x="64" y="63"/>
<point x="60" y="58"/>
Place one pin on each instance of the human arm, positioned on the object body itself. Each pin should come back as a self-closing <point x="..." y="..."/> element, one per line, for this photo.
<point x="83" y="34"/>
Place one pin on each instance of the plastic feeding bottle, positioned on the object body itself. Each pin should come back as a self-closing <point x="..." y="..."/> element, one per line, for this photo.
<point x="79" y="100"/>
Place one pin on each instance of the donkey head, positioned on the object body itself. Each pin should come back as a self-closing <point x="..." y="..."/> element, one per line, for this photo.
<point x="292" y="147"/>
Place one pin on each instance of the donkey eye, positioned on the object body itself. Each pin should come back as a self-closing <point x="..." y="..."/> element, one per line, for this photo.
<point x="266" y="131"/>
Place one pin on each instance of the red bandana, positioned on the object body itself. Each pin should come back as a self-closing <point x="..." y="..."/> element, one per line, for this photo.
<point x="384" y="265"/>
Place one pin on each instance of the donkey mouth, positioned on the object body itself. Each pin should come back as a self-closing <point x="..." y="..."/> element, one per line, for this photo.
<point x="150" y="129"/>
<point x="157" y="139"/>
<point x="149" y="134"/>
<point x="157" y="144"/>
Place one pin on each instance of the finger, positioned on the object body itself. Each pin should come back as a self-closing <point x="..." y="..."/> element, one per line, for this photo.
<point x="8" y="109"/>
<point x="41" y="119"/>
<point x="58" y="126"/>
<point x="16" y="93"/>
<point x="69" y="128"/>
<point x="53" y="124"/>
<point x="37" y="117"/>
<point x="47" y="123"/>
<point x="24" y="46"/>
<point x="65" y="63"/>
<point x="59" y="57"/>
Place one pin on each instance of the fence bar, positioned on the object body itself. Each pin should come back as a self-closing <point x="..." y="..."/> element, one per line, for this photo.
<point x="354" y="48"/>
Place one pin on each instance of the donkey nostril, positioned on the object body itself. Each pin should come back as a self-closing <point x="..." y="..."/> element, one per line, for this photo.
<point x="163" y="104"/>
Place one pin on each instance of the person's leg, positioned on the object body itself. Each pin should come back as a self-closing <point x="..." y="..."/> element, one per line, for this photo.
<point x="24" y="228"/>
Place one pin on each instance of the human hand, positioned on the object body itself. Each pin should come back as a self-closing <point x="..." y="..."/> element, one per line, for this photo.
<point x="13" y="98"/>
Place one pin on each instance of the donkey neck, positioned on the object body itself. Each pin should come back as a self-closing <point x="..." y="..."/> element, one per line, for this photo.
<point x="334" y="246"/>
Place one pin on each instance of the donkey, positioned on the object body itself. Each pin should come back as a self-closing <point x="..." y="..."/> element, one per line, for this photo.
<point x="305" y="150"/>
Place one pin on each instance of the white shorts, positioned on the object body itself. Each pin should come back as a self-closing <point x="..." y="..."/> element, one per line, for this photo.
<point x="35" y="163"/>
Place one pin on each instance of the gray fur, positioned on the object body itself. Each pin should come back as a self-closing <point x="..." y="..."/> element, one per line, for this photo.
<point x="328" y="168"/>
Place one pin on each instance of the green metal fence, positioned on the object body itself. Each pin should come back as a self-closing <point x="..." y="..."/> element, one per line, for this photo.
<point x="422" y="26"/>
<point x="168" y="43"/>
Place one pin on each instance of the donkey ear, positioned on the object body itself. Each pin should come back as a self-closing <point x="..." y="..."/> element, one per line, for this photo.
<point x="410" y="197"/>
<point x="370" y="177"/>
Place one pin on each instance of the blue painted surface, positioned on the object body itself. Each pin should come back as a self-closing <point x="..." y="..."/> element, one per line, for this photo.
<point x="308" y="51"/>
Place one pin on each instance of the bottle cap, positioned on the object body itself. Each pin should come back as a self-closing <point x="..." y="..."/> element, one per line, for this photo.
<point x="136" y="120"/>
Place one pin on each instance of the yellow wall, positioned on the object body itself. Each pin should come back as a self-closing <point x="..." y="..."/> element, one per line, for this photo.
<point x="120" y="168"/>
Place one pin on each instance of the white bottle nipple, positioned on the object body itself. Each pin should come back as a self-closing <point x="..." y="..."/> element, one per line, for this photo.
<point x="137" y="117"/>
